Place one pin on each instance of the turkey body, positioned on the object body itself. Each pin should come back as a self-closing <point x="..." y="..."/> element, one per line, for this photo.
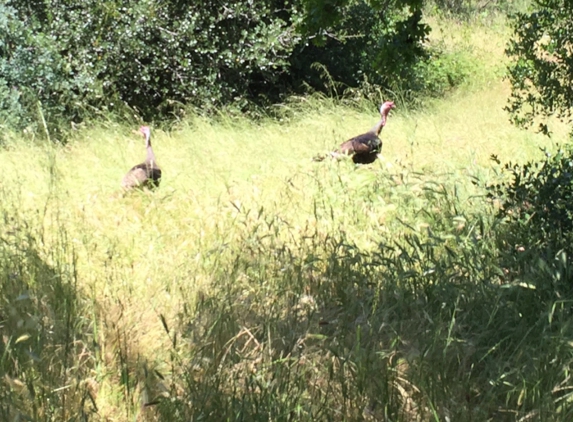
<point x="363" y="148"/>
<point x="146" y="174"/>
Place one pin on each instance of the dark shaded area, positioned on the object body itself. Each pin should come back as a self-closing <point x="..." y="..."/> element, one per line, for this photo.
<point x="536" y="204"/>
<point x="374" y="46"/>
<point x="46" y="344"/>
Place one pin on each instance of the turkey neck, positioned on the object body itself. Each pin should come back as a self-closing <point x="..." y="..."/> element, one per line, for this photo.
<point x="150" y="155"/>
<point x="378" y="127"/>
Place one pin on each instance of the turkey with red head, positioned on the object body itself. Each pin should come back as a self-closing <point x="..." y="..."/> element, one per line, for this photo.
<point x="365" y="148"/>
<point x="146" y="174"/>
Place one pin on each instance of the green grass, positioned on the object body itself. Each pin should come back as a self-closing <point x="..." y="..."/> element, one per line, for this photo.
<point x="256" y="284"/>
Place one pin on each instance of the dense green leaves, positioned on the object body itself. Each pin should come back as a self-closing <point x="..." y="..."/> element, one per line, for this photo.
<point x="144" y="53"/>
<point x="321" y="15"/>
<point x="32" y="70"/>
<point x="541" y="72"/>
<point x="365" y="44"/>
<point x="67" y="60"/>
<point x="538" y="198"/>
<point x="537" y="202"/>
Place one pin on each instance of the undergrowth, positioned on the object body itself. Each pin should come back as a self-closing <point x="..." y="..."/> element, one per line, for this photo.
<point x="48" y="347"/>
<point x="412" y="329"/>
<point x="409" y="312"/>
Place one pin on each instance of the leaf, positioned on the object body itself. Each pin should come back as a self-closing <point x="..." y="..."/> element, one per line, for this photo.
<point x="22" y="338"/>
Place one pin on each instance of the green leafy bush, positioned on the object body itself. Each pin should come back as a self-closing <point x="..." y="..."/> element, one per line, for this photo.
<point x="91" y="55"/>
<point x="68" y="60"/>
<point x="380" y="46"/>
<point x="537" y="202"/>
<point x="33" y="74"/>
<point x="540" y="74"/>
<point x="441" y="72"/>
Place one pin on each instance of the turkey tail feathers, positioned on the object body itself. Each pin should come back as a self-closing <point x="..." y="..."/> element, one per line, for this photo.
<point x="332" y="154"/>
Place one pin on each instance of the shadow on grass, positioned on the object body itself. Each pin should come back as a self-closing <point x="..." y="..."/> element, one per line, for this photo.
<point x="427" y="326"/>
<point x="46" y="341"/>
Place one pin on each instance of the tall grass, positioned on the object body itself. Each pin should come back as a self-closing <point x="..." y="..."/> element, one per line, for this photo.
<point x="256" y="284"/>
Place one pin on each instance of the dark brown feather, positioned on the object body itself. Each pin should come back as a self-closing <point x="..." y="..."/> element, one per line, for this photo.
<point x="365" y="148"/>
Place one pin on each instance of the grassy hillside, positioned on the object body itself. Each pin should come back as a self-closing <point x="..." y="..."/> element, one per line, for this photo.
<point x="256" y="284"/>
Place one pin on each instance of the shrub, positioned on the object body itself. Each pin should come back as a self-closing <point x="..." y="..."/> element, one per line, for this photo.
<point x="537" y="202"/>
<point x="382" y="47"/>
<point x="441" y="72"/>
<point x="69" y="60"/>
<point x="540" y="74"/>
<point x="91" y="55"/>
<point x="33" y="74"/>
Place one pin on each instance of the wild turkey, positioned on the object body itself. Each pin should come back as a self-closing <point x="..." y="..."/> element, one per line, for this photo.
<point x="364" y="148"/>
<point x="146" y="174"/>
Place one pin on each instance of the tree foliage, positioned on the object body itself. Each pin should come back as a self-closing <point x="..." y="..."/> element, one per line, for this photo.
<point x="140" y="53"/>
<point x="541" y="73"/>
<point x="379" y="46"/>
<point x="536" y="198"/>
<point x="67" y="60"/>
<point x="322" y="15"/>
